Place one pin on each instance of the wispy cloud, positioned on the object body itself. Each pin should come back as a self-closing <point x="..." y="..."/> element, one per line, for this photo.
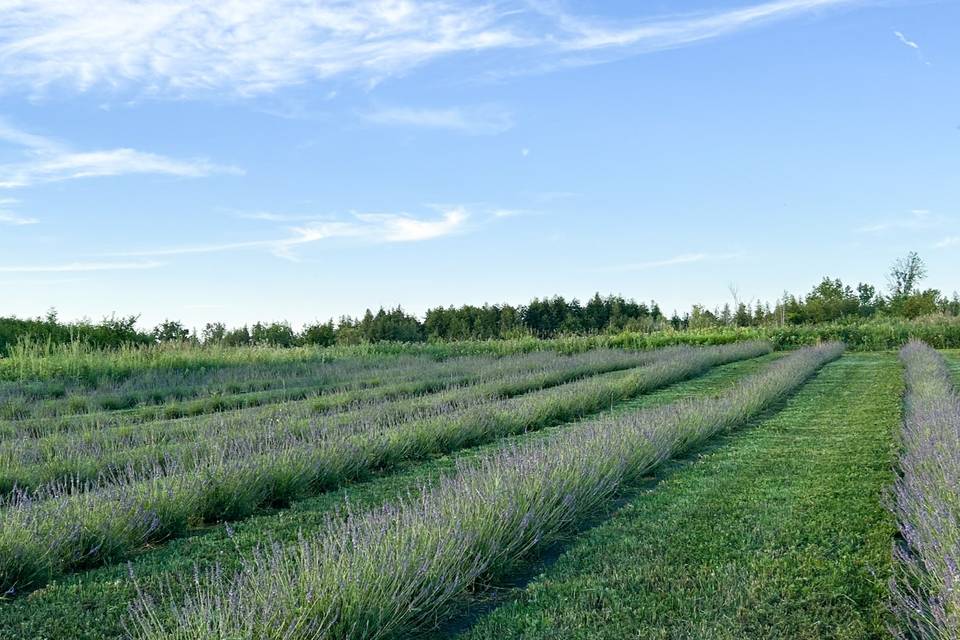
<point x="390" y="227"/>
<point x="483" y="120"/>
<point x="907" y="42"/>
<point x="184" y="47"/>
<point x="903" y="39"/>
<point x="576" y="41"/>
<point x="76" y="267"/>
<point x="949" y="241"/>
<point x="47" y="160"/>
<point x="915" y="220"/>
<point x="669" y="32"/>
<point x="681" y="259"/>
<point x="368" y="227"/>
<point x="9" y="216"/>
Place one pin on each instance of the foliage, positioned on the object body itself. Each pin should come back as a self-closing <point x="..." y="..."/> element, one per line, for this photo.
<point x="171" y="331"/>
<point x="110" y="333"/>
<point x="905" y="273"/>
<point x="831" y="301"/>
<point x="319" y="334"/>
<point x="93" y="367"/>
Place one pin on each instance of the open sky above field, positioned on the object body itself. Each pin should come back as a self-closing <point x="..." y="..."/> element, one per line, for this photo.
<point x="261" y="160"/>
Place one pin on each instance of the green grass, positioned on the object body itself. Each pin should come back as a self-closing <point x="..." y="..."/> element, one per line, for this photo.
<point x="952" y="357"/>
<point x="90" y="605"/>
<point x="776" y="531"/>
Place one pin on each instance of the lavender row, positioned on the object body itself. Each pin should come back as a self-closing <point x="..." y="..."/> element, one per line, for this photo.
<point x="158" y="386"/>
<point x="391" y="571"/>
<point x="153" y="394"/>
<point x="40" y="539"/>
<point x="926" y="586"/>
<point x="93" y="457"/>
<point x="388" y="383"/>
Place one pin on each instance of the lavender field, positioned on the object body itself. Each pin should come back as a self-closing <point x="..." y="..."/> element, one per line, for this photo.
<point x="422" y="495"/>
<point x="479" y="320"/>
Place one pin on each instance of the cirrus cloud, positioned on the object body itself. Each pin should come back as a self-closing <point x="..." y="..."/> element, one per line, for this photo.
<point x="11" y="217"/>
<point x="482" y="120"/>
<point x="375" y="228"/>
<point x="182" y="47"/>
<point x="47" y="160"/>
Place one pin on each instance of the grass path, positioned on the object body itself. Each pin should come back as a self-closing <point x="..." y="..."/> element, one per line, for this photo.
<point x="952" y="356"/>
<point x="90" y="605"/>
<point x="776" y="531"/>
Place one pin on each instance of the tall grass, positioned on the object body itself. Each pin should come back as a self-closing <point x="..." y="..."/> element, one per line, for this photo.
<point x="63" y="530"/>
<point x="82" y="363"/>
<point x="91" y="366"/>
<point x="394" y="570"/>
<point x="926" y="587"/>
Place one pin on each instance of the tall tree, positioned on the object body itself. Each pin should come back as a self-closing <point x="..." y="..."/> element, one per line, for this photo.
<point x="905" y="273"/>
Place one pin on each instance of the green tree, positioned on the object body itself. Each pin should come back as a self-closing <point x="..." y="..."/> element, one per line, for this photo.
<point x="905" y="273"/>
<point x="319" y="334"/>
<point x="171" y="331"/>
<point x="214" y="332"/>
<point x="237" y="337"/>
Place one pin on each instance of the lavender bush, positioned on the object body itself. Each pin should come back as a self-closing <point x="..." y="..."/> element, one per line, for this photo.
<point x="65" y="529"/>
<point x="926" y="586"/>
<point x="341" y="383"/>
<point x="93" y="456"/>
<point x="390" y="571"/>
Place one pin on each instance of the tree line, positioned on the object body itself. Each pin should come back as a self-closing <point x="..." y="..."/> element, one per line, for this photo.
<point x="830" y="300"/>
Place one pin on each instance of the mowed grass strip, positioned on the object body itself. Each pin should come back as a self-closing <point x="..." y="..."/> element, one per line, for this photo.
<point x="952" y="357"/>
<point x="779" y="531"/>
<point x="90" y="606"/>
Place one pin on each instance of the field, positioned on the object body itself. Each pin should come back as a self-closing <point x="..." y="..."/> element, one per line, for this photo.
<point x="516" y="489"/>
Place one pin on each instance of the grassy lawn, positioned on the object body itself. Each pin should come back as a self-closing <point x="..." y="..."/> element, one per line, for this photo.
<point x="776" y="531"/>
<point x="90" y="606"/>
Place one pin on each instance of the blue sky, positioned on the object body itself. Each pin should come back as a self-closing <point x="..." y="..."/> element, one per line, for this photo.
<point x="295" y="160"/>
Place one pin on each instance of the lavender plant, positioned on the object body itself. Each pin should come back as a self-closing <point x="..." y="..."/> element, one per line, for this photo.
<point x="93" y="456"/>
<point x="926" y="501"/>
<point x="155" y="386"/>
<point x="340" y="386"/>
<point x="393" y="570"/>
<point x="65" y="529"/>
